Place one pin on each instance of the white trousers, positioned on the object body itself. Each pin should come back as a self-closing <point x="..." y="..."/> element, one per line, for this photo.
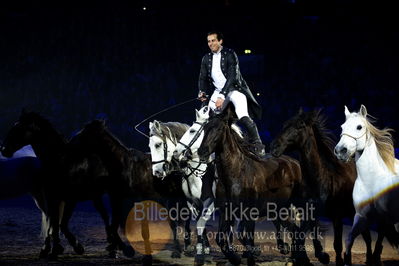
<point x="238" y="99"/>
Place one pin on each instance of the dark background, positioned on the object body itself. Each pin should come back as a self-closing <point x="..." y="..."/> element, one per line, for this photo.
<point x="115" y="60"/>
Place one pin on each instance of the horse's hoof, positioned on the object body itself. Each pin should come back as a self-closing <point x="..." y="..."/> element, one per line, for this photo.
<point x="284" y="249"/>
<point x="339" y="261"/>
<point x="79" y="249"/>
<point x="347" y="259"/>
<point x="233" y="258"/>
<point x="323" y="258"/>
<point x="44" y="253"/>
<point x="199" y="259"/>
<point x="57" y="250"/>
<point x="128" y="251"/>
<point x="112" y="254"/>
<point x="377" y="260"/>
<point x="175" y="254"/>
<point x="302" y="262"/>
<point x="52" y="257"/>
<point x="147" y="260"/>
<point x="251" y="261"/>
<point x="189" y="251"/>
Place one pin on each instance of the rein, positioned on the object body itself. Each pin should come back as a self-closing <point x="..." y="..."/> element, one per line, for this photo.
<point x="196" y="136"/>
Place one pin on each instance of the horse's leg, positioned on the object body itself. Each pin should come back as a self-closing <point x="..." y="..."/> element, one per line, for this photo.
<point x="369" y="253"/>
<point x="338" y="228"/>
<point x="176" y="253"/>
<point x="116" y="241"/>
<point x="359" y="225"/>
<point x="298" y="248"/>
<point x="187" y="239"/>
<point x="99" y="206"/>
<point x="224" y="238"/>
<point x="55" y="207"/>
<point x="313" y="226"/>
<point x="206" y="213"/>
<point x="378" y="247"/>
<point x="249" y="235"/>
<point x="68" y="210"/>
<point x="283" y="247"/>
<point x="145" y="233"/>
<point x="40" y="200"/>
<point x="173" y="223"/>
<point x="207" y="248"/>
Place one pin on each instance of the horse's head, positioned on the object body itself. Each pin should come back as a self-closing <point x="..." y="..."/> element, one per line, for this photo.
<point x="214" y="132"/>
<point x="24" y="132"/>
<point x="191" y="140"/>
<point x="354" y="136"/>
<point x="294" y="134"/>
<point x="162" y="144"/>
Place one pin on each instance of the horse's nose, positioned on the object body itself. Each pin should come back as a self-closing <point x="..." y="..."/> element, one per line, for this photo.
<point x="175" y="154"/>
<point x="340" y="150"/>
<point x="188" y="155"/>
<point x="157" y="173"/>
<point x="166" y="167"/>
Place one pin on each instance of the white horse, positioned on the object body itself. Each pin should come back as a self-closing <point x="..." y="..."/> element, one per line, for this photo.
<point x="198" y="184"/>
<point x="376" y="190"/>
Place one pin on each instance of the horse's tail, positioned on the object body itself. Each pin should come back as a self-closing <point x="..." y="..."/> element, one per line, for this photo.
<point x="392" y="235"/>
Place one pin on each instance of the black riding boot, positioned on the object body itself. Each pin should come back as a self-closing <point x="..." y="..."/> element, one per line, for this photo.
<point x="253" y="135"/>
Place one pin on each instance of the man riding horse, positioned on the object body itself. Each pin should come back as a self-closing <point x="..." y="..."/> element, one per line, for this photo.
<point x="220" y="72"/>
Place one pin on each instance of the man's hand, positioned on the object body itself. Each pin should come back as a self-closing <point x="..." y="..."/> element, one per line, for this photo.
<point x="219" y="103"/>
<point x="202" y="96"/>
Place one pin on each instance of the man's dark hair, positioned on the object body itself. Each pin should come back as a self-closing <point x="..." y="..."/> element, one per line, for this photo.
<point x="219" y="35"/>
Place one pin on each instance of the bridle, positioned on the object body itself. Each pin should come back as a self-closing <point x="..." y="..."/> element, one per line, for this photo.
<point x="355" y="138"/>
<point x="196" y="136"/>
<point x="166" y="164"/>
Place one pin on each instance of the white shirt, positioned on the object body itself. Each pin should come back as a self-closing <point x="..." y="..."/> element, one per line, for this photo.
<point x="217" y="75"/>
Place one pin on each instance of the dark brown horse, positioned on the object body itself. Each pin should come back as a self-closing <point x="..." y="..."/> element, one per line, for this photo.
<point x="247" y="183"/>
<point x="327" y="180"/>
<point x="137" y="182"/>
<point x="69" y="175"/>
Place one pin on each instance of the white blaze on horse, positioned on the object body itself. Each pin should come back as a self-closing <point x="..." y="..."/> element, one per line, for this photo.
<point x="376" y="189"/>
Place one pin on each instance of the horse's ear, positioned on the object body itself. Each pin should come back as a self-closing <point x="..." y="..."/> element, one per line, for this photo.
<point x="229" y="112"/>
<point x="197" y="115"/>
<point x="347" y="113"/>
<point x="103" y="122"/>
<point x="151" y="125"/>
<point x="157" y="126"/>
<point x="363" y="111"/>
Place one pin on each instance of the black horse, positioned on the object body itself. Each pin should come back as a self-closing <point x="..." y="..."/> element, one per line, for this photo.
<point x="137" y="182"/>
<point x="69" y="175"/>
<point x="327" y="180"/>
<point x="247" y="183"/>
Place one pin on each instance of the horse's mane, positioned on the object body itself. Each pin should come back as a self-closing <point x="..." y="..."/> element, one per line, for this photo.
<point x="384" y="142"/>
<point x="100" y="126"/>
<point x="42" y="121"/>
<point x="242" y="142"/>
<point x="173" y="130"/>
<point x="325" y="140"/>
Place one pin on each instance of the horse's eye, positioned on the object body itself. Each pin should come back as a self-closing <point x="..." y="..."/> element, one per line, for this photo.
<point x="157" y="145"/>
<point x="192" y="131"/>
<point x="359" y="127"/>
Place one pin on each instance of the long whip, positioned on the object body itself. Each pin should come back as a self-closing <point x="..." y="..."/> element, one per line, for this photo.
<point x="162" y="111"/>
